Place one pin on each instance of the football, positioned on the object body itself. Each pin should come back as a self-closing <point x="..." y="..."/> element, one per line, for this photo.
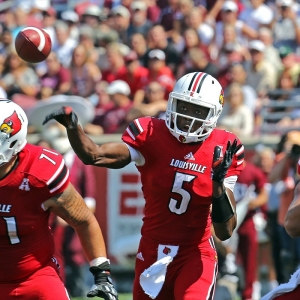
<point x="33" y="44"/>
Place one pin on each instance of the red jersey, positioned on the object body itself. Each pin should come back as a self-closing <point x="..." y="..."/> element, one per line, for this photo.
<point x="176" y="180"/>
<point x="26" y="242"/>
<point x="251" y="180"/>
<point x="252" y="176"/>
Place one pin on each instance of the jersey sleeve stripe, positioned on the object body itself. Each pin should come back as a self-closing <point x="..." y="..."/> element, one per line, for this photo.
<point x="129" y="132"/>
<point x="240" y="151"/>
<point x="242" y="155"/>
<point x="57" y="172"/>
<point x="138" y="124"/>
<point x="134" y="129"/>
<point x="59" y="178"/>
<point x="62" y="182"/>
<point x="239" y="162"/>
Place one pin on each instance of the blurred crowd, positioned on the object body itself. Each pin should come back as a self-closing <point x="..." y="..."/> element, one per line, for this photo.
<point x="124" y="56"/>
<point x="260" y="254"/>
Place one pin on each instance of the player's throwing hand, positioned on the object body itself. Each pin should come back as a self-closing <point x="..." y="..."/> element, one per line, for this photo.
<point x="103" y="286"/>
<point x="221" y="165"/>
<point x="65" y="116"/>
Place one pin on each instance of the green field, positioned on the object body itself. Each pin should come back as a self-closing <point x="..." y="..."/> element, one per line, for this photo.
<point x="121" y="297"/>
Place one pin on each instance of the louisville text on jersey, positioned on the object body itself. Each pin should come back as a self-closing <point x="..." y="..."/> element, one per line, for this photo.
<point x="187" y="166"/>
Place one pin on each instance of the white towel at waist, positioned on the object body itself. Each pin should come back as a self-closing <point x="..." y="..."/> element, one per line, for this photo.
<point x="153" y="278"/>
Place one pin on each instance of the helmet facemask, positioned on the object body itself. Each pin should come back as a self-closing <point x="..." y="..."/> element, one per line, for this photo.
<point x="8" y="148"/>
<point x="198" y="134"/>
<point x="202" y="91"/>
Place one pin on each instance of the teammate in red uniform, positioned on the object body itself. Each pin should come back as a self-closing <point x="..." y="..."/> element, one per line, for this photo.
<point x="34" y="182"/>
<point x="188" y="172"/>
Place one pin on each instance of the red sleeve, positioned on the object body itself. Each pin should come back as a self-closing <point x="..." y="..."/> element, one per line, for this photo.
<point x="237" y="165"/>
<point x="50" y="173"/>
<point x="298" y="167"/>
<point x="260" y="179"/>
<point x="137" y="131"/>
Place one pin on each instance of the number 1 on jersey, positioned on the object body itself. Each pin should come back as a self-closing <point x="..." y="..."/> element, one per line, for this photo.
<point x="12" y="229"/>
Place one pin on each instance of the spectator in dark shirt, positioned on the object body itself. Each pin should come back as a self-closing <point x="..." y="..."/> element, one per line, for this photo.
<point x="139" y="45"/>
<point x="191" y="41"/>
<point x="158" y="71"/>
<point x="121" y="20"/>
<point x="201" y="63"/>
<point x="168" y="14"/>
<point x="114" y="120"/>
<point x="6" y="40"/>
<point x="139" y="22"/>
<point x="157" y="39"/>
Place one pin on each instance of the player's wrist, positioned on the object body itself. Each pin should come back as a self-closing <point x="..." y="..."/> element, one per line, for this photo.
<point x="219" y="177"/>
<point x="99" y="261"/>
<point x="222" y="209"/>
<point x="218" y="189"/>
<point x="101" y="273"/>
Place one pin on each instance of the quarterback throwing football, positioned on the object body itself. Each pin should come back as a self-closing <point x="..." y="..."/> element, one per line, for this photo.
<point x="188" y="172"/>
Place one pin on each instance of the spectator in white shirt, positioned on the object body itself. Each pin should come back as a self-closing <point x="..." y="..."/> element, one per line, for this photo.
<point x="64" y="45"/>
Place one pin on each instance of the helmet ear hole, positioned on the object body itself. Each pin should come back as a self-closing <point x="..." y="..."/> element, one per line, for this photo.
<point x="12" y="144"/>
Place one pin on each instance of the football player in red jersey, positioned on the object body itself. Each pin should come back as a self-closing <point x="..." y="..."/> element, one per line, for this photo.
<point x="188" y="172"/>
<point x="34" y="182"/>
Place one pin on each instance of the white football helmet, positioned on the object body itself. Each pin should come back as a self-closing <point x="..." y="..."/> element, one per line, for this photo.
<point x="201" y="89"/>
<point x="13" y="130"/>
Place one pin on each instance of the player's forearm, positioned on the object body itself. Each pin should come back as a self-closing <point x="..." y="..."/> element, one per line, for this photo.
<point x="291" y="222"/>
<point x="109" y="155"/>
<point x="83" y="146"/>
<point x="223" y="211"/>
<point x="280" y="170"/>
<point x="91" y="239"/>
<point x="224" y="230"/>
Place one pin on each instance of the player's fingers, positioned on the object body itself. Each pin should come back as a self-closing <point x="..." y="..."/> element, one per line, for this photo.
<point x="67" y="110"/>
<point x="234" y="144"/>
<point x="48" y="118"/>
<point x="238" y="147"/>
<point x="228" y="145"/>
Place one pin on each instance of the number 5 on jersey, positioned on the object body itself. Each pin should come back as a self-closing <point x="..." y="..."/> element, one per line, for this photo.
<point x="180" y="206"/>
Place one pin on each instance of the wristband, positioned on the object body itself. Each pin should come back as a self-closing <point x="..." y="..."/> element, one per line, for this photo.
<point x="98" y="261"/>
<point x="222" y="209"/>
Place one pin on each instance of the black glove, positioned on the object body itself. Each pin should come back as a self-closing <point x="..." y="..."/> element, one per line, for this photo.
<point x="64" y="116"/>
<point x="221" y="165"/>
<point x="103" y="286"/>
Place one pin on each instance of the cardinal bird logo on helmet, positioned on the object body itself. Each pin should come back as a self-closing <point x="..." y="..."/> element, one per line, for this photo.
<point x="11" y="125"/>
<point x="221" y="98"/>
